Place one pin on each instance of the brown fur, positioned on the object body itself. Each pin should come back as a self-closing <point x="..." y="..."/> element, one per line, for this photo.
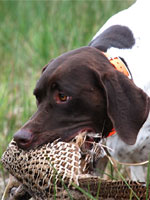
<point x="100" y="98"/>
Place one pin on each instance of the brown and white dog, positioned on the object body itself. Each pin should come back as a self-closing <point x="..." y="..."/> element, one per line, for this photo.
<point x="82" y="90"/>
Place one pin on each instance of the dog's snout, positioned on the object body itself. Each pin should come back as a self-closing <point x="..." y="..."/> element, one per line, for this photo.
<point x="23" y="138"/>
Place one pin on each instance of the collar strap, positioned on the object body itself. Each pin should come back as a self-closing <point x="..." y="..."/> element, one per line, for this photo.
<point x="119" y="65"/>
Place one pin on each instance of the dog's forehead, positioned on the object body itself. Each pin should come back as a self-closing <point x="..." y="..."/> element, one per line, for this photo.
<point x="71" y="67"/>
<point x="71" y="61"/>
<point x="80" y="56"/>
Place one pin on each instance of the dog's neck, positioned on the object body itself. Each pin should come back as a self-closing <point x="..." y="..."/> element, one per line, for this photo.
<point x="119" y="64"/>
<point x="137" y="64"/>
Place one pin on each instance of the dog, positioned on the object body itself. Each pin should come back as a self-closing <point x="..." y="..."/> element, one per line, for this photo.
<point x="98" y="88"/>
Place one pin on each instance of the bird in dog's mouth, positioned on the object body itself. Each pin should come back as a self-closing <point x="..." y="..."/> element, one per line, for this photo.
<point x="62" y="161"/>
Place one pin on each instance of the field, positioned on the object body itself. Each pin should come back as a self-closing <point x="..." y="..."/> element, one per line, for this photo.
<point x="31" y="34"/>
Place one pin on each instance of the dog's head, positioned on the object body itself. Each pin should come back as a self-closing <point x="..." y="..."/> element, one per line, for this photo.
<point x="81" y="91"/>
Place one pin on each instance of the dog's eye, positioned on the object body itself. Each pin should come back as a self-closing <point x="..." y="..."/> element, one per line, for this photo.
<point x="62" y="98"/>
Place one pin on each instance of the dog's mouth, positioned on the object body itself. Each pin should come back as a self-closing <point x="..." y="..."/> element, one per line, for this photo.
<point x="85" y="137"/>
<point x="79" y="132"/>
<point x="27" y="143"/>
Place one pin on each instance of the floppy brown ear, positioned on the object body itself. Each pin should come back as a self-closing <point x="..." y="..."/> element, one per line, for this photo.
<point x="127" y="105"/>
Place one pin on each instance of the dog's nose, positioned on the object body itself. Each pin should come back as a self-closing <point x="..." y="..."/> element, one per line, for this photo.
<point x="23" y="138"/>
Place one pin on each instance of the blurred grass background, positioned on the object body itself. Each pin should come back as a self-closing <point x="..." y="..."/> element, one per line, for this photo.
<point x="33" y="32"/>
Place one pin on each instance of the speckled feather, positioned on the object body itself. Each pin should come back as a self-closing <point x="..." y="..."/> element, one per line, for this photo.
<point x="51" y="165"/>
<point x="44" y="171"/>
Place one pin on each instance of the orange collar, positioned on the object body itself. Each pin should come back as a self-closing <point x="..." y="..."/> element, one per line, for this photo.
<point x="119" y="65"/>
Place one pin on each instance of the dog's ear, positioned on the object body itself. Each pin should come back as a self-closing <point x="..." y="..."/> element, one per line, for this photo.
<point x="44" y="68"/>
<point x="127" y="105"/>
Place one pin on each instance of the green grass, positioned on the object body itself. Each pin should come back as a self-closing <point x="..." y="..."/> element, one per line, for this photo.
<point x="31" y="34"/>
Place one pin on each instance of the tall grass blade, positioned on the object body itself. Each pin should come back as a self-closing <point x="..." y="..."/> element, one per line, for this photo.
<point x="148" y="180"/>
